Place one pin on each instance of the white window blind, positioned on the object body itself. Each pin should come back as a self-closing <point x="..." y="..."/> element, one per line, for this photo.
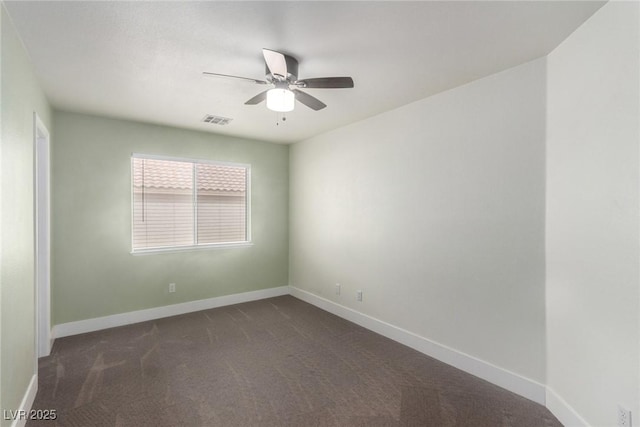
<point x="179" y="203"/>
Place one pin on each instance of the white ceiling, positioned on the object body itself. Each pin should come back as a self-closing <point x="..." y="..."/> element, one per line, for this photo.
<point x="144" y="60"/>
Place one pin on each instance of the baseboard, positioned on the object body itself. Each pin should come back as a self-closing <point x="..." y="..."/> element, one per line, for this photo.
<point x="494" y="374"/>
<point x="99" y="323"/>
<point x="563" y="411"/>
<point x="25" y="406"/>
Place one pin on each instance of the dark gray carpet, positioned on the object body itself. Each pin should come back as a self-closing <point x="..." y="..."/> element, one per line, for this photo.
<point x="275" y="362"/>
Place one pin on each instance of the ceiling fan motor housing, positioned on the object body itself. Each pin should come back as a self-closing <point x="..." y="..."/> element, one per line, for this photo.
<point x="292" y="70"/>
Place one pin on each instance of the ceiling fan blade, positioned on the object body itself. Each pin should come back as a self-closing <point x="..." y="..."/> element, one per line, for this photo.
<point x="260" y="82"/>
<point x="257" y="99"/>
<point x="326" y="83"/>
<point x="308" y="100"/>
<point x="276" y="62"/>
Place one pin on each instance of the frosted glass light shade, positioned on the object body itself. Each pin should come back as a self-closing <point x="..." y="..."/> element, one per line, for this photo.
<point x="281" y="100"/>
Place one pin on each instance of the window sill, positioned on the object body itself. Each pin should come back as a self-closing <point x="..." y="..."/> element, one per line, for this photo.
<point x="174" y="249"/>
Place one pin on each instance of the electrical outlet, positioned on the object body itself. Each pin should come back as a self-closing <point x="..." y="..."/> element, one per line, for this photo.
<point x="337" y="288"/>
<point x="358" y="295"/>
<point x="624" y="417"/>
<point x="172" y="287"/>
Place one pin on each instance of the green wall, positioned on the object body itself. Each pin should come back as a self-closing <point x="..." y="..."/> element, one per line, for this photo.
<point x="20" y="97"/>
<point x="93" y="272"/>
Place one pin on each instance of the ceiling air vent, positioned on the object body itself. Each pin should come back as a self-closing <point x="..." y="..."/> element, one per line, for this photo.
<point x="216" y="120"/>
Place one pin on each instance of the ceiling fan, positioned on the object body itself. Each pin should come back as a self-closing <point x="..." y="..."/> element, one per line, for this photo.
<point x="282" y="73"/>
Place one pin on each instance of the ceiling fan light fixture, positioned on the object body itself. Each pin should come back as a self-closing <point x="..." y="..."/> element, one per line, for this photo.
<point x="280" y="100"/>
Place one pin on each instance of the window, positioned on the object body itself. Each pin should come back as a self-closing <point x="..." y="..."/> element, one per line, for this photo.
<point x="185" y="204"/>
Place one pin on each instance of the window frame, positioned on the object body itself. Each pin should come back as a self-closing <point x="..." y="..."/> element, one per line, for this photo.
<point x="196" y="247"/>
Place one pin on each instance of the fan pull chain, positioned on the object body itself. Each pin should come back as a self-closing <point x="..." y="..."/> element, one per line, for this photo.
<point x="281" y="119"/>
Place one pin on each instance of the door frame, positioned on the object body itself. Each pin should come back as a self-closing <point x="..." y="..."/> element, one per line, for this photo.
<point x="42" y="219"/>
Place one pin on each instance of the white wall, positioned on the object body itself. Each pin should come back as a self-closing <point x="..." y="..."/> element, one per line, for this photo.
<point x="593" y="286"/>
<point x="436" y="211"/>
